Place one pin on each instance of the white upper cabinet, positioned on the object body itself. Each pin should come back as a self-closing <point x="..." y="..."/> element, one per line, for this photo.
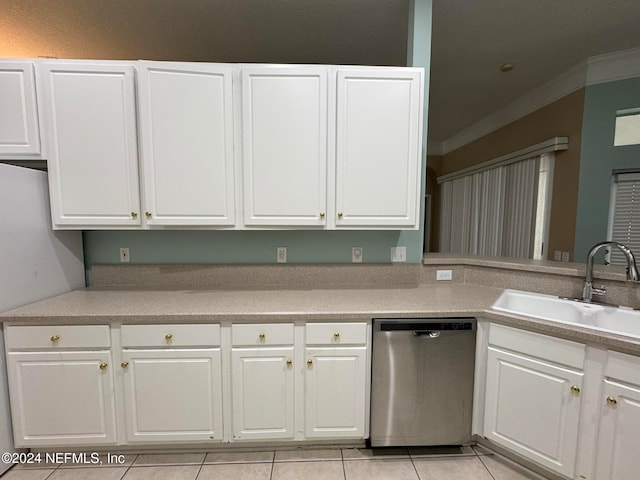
<point x="89" y="109"/>
<point x="186" y="143"/>
<point x="284" y="133"/>
<point x="378" y="147"/>
<point x="19" y="130"/>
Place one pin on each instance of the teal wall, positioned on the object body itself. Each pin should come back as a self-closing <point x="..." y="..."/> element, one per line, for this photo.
<point x="178" y="246"/>
<point x="182" y="246"/>
<point x="599" y="158"/>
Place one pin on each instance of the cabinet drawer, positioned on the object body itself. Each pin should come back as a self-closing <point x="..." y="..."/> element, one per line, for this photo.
<point x="624" y="367"/>
<point x="58" y="337"/>
<point x="556" y="350"/>
<point x="336" y="333"/>
<point x="170" y="335"/>
<point x="262" y="334"/>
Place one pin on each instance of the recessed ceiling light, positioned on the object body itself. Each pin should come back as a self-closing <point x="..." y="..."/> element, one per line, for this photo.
<point x="507" y="67"/>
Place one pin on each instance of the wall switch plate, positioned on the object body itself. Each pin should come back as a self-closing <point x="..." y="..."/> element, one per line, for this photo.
<point x="557" y="255"/>
<point x="398" y="254"/>
<point x="356" y="254"/>
<point x="124" y="254"/>
<point x="444" y="275"/>
<point x="282" y="255"/>
<point x="565" y="256"/>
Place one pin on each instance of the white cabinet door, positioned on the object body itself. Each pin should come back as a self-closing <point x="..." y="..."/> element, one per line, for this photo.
<point x="284" y="120"/>
<point x="172" y="395"/>
<point x="62" y="398"/>
<point x="19" y="129"/>
<point x="619" y="437"/>
<point x="186" y="123"/>
<point x="335" y="383"/>
<point x="262" y="393"/>
<point x="530" y="409"/>
<point x="89" y="110"/>
<point x="378" y="147"/>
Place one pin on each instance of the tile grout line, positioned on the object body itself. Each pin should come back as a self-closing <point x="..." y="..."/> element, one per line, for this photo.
<point x="486" y="468"/>
<point x="344" y="470"/>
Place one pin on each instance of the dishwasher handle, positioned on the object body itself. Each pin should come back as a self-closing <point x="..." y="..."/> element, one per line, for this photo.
<point x="452" y="324"/>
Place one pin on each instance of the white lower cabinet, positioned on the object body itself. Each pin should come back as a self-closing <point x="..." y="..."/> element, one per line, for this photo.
<point x="92" y="385"/>
<point x="61" y="385"/>
<point x="530" y="409"/>
<point x="172" y="381"/>
<point x="334" y="394"/>
<point x="533" y="396"/>
<point x="172" y="395"/>
<point x="619" y="432"/>
<point x="262" y="393"/>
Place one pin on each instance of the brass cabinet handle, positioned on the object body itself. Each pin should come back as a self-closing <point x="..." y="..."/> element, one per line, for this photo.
<point x="55" y="338"/>
<point x="575" y="389"/>
<point x="612" y="402"/>
<point x="336" y="335"/>
<point x="124" y="364"/>
<point x="309" y="363"/>
<point x="321" y="214"/>
<point x="147" y="214"/>
<point x="134" y="214"/>
<point x="103" y="366"/>
<point x="261" y="336"/>
<point x="168" y="337"/>
<point x="339" y="214"/>
<point x="289" y="362"/>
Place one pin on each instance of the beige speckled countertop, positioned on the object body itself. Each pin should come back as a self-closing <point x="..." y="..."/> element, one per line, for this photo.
<point x="147" y="294"/>
<point x="255" y="304"/>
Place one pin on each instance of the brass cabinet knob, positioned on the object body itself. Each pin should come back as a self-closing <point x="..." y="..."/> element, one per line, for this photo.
<point x="321" y="214"/>
<point x="134" y="214"/>
<point x="612" y="402"/>
<point x="309" y="363"/>
<point x="103" y="366"/>
<point x="289" y="362"/>
<point x="147" y="214"/>
<point x="55" y="338"/>
<point x="339" y="214"/>
<point x="124" y="364"/>
<point x="168" y="337"/>
<point x="261" y="336"/>
<point x="336" y="335"/>
<point x="575" y="389"/>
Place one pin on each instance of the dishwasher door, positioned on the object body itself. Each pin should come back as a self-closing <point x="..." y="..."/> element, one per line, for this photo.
<point x="422" y="381"/>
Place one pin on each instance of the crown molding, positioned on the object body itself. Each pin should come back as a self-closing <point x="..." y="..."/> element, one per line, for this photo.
<point x="613" y="66"/>
<point x="609" y="67"/>
<point x="561" y="86"/>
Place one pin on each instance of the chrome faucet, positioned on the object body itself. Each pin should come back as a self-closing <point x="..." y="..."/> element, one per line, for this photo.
<point x="632" y="270"/>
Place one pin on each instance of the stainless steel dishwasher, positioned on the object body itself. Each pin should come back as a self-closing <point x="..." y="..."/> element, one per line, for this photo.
<point x="422" y="381"/>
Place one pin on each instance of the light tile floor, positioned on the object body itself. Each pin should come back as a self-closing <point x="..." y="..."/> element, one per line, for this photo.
<point x="450" y="463"/>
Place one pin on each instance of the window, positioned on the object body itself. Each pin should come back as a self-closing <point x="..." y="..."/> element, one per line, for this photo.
<point x="627" y="127"/>
<point x="624" y="214"/>
<point x="499" y="211"/>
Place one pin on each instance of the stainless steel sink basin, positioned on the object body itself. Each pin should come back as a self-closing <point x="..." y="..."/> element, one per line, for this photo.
<point x="619" y="320"/>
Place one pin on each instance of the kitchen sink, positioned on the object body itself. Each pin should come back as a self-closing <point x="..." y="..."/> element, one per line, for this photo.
<point x="619" y="320"/>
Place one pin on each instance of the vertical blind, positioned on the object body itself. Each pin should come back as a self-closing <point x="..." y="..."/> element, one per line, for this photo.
<point x="624" y="226"/>
<point x="491" y="212"/>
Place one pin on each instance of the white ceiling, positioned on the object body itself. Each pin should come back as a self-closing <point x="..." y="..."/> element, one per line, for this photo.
<point x="471" y="39"/>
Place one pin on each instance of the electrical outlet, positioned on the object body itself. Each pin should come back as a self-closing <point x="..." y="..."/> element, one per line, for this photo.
<point x="557" y="255"/>
<point x="444" y="275"/>
<point x="565" y="256"/>
<point x="282" y="255"/>
<point x="356" y="254"/>
<point x="398" y="254"/>
<point x="124" y="254"/>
